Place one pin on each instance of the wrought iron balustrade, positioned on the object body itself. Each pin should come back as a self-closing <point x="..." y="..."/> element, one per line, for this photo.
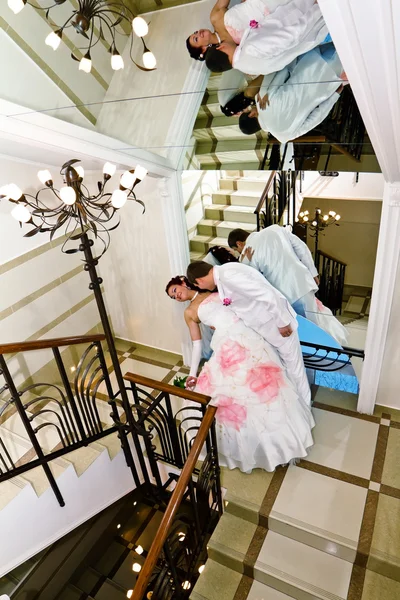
<point x="332" y="274"/>
<point x="277" y="200"/>
<point x="70" y="410"/>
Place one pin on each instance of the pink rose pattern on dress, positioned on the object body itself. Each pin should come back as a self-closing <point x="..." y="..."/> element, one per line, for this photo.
<point x="230" y="356"/>
<point x="226" y="301"/>
<point x="265" y="380"/>
<point x="253" y="24"/>
<point x="203" y="385"/>
<point x="229" y="413"/>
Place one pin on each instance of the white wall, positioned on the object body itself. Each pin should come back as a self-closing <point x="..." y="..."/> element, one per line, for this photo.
<point x="368" y="187"/>
<point x="145" y="119"/>
<point x="136" y="269"/>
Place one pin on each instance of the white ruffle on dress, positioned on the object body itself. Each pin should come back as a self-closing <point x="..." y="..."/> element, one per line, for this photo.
<point x="261" y="421"/>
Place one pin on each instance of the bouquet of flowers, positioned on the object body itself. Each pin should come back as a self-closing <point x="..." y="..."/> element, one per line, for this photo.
<point x="180" y="381"/>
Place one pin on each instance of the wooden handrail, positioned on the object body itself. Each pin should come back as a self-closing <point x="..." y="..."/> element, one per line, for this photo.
<point x="167" y="388"/>
<point x="51" y="343"/>
<point x="265" y="192"/>
<point x="173" y="505"/>
<point x="320" y="253"/>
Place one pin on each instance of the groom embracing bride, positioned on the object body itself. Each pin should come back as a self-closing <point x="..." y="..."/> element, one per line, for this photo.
<point x="262" y="308"/>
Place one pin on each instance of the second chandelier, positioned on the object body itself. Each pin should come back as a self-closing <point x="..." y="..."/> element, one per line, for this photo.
<point x="96" y="21"/>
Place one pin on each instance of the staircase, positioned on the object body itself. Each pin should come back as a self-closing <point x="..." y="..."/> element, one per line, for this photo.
<point x="232" y="207"/>
<point x="14" y="436"/>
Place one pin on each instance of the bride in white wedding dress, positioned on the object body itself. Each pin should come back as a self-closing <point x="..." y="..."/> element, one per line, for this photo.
<point x="261" y="421"/>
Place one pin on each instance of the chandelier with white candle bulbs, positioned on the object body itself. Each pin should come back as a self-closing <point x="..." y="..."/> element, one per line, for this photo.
<point x="97" y="21"/>
<point x="317" y="224"/>
<point x="72" y="209"/>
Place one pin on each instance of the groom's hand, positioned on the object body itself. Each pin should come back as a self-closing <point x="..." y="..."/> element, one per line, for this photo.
<point x="285" y="331"/>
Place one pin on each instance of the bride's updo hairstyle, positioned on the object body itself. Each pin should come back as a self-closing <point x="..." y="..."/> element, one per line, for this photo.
<point x="195" y="53"/>
<point x="216" y="60"/>
<point x="178" y="280"/>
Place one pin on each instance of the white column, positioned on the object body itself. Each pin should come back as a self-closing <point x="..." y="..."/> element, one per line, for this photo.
<point x="173" y="212"/>
<point x="387" y="261"/>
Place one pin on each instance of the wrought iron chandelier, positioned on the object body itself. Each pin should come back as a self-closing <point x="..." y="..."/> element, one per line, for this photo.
<point x="96" y="20"/>
<point x="72" y="208"/>
<point x="318" y="224"/>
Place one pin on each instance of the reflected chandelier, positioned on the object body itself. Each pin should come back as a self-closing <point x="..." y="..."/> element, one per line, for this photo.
<point x="72" y="208"/>
<point x="96" y="20"/>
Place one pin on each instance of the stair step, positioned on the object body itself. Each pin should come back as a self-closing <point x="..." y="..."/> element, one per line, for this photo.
<point x="230" y="541"/>
<point x="237" y="198"/>
<point x="243" y="183"/>
<point x="216" y="582"/>
<point x="71" y="593"/>
<point x="196" y="256"/>
<point x="111" y="591"/>
<point x="10" y="490"/>
<point x="239" y="214"/>
<point x="259" y="591"/>
<point x="202" y="243"/>
<point x="222" y="229"/>
<point x="88" y="580"/>
<point x="301" y="571"/>
<point x="111" y="443"/>
<point x="245" y="495"/>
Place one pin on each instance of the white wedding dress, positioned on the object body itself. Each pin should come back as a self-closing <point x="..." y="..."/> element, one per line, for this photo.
<point x="261" y="421"/>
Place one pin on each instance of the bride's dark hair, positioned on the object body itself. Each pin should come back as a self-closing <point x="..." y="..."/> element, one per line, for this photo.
<point x="195" y="53"/>
<point x="178" y="280"/>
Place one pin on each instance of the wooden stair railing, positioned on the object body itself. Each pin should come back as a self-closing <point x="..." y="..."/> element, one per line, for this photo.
<point x="13" y="347"/>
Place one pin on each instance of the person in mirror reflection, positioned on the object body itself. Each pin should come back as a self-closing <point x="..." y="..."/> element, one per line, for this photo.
<point x="258" y="36"/>
<point x="262" y="308"/>
<point x="296" y="100"/>
<point x="262" y="421"/>
<point x="287" y="264"/>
